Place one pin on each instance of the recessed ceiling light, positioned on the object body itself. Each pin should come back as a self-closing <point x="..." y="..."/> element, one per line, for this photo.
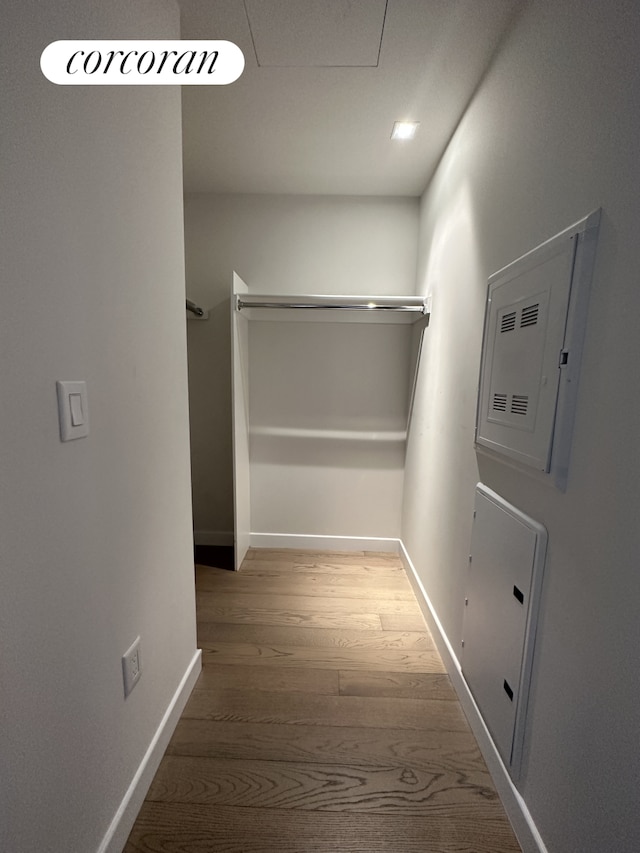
<point x="404" y="129"/>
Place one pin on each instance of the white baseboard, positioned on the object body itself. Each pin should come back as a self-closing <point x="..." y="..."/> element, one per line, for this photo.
<point x="122" y="823"/>
<point x="515" y="806"/>
<point x="213" y="537"/>
<point x="299" y="541"/>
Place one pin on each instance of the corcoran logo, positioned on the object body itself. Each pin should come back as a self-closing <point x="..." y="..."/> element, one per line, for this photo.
<point x="142" y="63"/>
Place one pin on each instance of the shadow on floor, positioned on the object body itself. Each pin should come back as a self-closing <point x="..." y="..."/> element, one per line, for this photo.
<point x="216" y="556"/>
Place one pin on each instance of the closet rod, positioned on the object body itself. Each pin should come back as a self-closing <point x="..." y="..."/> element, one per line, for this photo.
<point x="332" y="306"/>
<point x="195" y="309"/>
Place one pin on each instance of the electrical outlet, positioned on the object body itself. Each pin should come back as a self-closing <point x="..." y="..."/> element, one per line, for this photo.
<point x="131" y="666"/>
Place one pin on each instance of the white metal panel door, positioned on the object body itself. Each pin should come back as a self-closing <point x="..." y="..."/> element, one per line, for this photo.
<point x="505" y="571"/>
<point x="526" y="319"/>
<point x="535" y="321"/>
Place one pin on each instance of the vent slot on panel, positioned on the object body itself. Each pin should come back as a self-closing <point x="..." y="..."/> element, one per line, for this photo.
<point x="508" y="323"/>
<point x="529" y="316"/>
<point x="519" y="404"/>
<point x="500" y="402"/>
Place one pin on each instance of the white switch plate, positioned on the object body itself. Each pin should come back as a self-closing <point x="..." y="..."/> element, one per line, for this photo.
<point x="73" y="410"/>
<point x="131" y="666"/>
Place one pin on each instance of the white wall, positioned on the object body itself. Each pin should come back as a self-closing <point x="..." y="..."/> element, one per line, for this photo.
<point x="551" y="134"/>
<point x="327" y="403"/>
<point x="282" y="244"/>
<point x="95" y="534"/>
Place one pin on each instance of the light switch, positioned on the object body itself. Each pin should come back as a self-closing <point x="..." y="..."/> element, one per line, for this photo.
<point x="73" y="410"/>
<point x="75" y="405"/>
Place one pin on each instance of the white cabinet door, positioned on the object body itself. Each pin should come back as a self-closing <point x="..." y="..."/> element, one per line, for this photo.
<point x="534" y="331"/>
<point x="505" y="573"/>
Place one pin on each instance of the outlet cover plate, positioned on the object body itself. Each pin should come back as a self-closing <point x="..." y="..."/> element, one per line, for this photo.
<point x="131" y="666"/>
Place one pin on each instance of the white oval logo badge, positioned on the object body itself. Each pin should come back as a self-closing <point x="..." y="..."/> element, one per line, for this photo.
<point x="142" y="63"/>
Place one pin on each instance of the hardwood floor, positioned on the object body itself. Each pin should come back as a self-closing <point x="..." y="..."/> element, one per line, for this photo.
<point x="323" y="722"/>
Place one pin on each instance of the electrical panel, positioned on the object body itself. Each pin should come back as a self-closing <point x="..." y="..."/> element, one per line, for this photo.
<point x="501" y="606"/>
<point x="534" y="329"/>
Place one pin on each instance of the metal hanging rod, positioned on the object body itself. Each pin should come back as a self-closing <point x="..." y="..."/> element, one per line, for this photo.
<point x="195" y="309"/>
<point x="328" y="305"/>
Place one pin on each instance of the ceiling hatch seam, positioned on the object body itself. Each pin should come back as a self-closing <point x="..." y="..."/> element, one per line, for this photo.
<point x="376" y="64"/>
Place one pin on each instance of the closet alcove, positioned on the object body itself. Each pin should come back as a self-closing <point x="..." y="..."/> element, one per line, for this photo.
<point x="322" y="390"/>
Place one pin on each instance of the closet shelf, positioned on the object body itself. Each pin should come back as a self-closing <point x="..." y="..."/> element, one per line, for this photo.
<point x="387" y="436"/>
<point x="334" y="308"/>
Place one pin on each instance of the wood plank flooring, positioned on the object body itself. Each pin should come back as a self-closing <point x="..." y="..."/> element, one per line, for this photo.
<point x="323" y="722"/>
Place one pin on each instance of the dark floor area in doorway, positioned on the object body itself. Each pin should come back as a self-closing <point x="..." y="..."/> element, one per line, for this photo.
<point x="217" y="556"/>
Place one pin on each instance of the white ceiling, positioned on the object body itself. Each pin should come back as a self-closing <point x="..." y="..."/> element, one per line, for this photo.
<point x="324" y="81"/>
